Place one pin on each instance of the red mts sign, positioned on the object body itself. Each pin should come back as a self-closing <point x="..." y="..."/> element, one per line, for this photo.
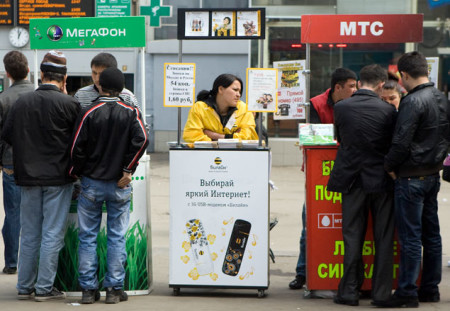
<point x="391" y="28"/>
<point x="324" y="241"/>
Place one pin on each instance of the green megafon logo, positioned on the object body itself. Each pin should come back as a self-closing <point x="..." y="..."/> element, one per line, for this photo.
<point x="54" y="33"/>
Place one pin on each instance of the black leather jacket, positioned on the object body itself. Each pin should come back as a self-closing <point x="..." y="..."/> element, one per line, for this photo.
<point x="421" y="135"/>
<point x="110" y="137"/>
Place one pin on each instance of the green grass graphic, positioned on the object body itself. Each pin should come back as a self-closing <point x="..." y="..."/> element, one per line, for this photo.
<point x="136" y="274"/>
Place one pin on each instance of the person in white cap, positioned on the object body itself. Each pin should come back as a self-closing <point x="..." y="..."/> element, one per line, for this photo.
<point x="39" y="127"/>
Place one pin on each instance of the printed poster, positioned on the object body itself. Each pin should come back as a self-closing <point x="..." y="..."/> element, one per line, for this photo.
<point x="262" y="89"/>
<point x="179" y="84"/>
<point x="223" y="24"/>
<point x="196" y="24"/>
<point x="433" y="70"/>
<point x="291" y="90"/>
<point x="248" y="23"/>
<point x="219" y="218"/>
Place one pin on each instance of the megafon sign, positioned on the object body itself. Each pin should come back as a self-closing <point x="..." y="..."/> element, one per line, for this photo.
<point x="388" y="28"/>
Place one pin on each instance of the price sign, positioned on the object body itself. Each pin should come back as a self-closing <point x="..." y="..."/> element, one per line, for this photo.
<point x="179" y="84"/>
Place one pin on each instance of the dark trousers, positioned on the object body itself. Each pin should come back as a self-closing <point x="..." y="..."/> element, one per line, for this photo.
<point x="355" y="211"/>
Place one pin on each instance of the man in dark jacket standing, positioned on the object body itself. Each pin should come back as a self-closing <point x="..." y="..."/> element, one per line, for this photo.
<point x="364" y="125"/>
<point x="16" y="67"/>
<point x="39" y="128"/>
<point x="109" y="140"/>
<point x="418" y="149"/>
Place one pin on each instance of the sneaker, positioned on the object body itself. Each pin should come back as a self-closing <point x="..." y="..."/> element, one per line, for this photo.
<point x="90" y="296"/>
<point x="25" y="295"/>
<point x="53" y="294"/>
<point x="9" y="270"/>
<point x="396" y="301"/>
<point x="298" y="282"/>
<point x="429" y="297"/>
<point x="115" y="295"/>
<point x="340" y="301"/>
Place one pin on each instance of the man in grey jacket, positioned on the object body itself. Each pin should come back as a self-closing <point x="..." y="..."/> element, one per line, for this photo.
<point x="16" y="67"/>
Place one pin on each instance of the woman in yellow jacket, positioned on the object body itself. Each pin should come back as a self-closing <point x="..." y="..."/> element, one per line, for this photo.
<point x="220" y="113"/>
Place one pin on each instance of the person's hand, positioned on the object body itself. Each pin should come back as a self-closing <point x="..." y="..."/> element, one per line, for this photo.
<point x="213" y="135"/>
<point x="393" y="175"/>
<point x="125" y="180"/>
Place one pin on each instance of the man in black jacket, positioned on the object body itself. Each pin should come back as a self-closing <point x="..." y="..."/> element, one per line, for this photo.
<point x="39" y="127"/>
<point x="16" y="67"/>
<point x="418" y="149"/>
<point x="109" y="140"/>
<point x="364" y="125"/>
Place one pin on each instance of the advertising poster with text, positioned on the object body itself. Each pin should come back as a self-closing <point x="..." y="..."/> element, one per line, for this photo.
<point x="291" y="90"/>
<point x="325" y="245"/>
<point x="262" y="89"/>
<point x="179" y="84"/>
<point x="196" y="24"/>
<point x="433" y="70"/>
<point x="219" y="218"/>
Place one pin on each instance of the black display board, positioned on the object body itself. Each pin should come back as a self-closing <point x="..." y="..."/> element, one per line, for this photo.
<point x="6" y="12"/>
<point x="220" y="24"/>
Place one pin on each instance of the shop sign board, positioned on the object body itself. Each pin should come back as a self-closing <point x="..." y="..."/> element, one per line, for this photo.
<point x="179" y="84"/>
<point x="291" y="90"/>
<point x="87" y="33"/>
<point x="109" y="8"/>
<point x="262" y="89"/>
<point x="325" y="245"/>
<point x="219" y="209"/>
<point x="387" y="28"/>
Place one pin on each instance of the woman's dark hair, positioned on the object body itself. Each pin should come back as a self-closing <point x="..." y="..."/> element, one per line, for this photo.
<point x="393" y="85"/>
<point x="224" y="80"/>
<point x="227" y="18"/>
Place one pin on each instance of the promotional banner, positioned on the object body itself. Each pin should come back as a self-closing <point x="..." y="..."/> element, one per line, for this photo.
<point x="262" y="89"/>
<point x="387" y="28"/>
<point x="108" y="8"/>
<point x="87" y="33"/>
<point x="433" y="70"/>
<point x="219" y="209"/>
<point x="291" y="90"/>
<point x="325" y="245"/>
<point x="179" y="84"/>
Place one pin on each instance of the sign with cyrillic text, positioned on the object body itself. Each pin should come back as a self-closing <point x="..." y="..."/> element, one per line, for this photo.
<point x="388" y="28"/>
<point x="87" y="33"/>
<point x="179" y="84"/>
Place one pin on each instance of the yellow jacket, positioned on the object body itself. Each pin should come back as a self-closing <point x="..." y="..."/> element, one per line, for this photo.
<point x="201" y="116"/>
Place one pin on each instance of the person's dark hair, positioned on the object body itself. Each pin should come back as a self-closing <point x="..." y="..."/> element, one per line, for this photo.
<point x="229" y="19"/>
<point x="106" y="60"/>
<point x="16" y="64"/>
<point x="341" y="75"/>
<point x="111" y="93"/>
<point x="393" y="85"/>
<point x="53" y="76"/>
<point x="372" y="75"/>
<point x="224" y="80"/>
<point x="414" y="64"/>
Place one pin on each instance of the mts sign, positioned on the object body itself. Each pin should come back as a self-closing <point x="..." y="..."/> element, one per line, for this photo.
<point x="388" y="28"/>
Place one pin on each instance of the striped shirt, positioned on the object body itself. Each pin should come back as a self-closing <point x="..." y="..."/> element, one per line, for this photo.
<point x="88" y="94"/>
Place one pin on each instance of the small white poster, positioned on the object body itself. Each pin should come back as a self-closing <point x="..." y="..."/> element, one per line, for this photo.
<point x="433" y="70"/>
<point x="291" y="90"/>
<point x="262" y="89"/>
<point x="223" y="24"/>
<point x="196" y="24"/>
<point x="179" y="84"/>
<point x="219" y="209"/>
<point x="248" y="23"/>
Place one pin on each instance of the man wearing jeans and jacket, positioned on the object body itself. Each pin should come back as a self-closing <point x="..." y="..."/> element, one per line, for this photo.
<point x="16" y="67"/>
<point x="109" y="139"/>
<point x="418" y="149"/>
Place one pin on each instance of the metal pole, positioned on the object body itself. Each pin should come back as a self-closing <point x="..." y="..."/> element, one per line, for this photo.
<point x="261" y="65"/>
<point x="143" y="103"/>
<point x="36" y="78"/>
<point x="307" y="72"/>
<point x="180" y="59"/>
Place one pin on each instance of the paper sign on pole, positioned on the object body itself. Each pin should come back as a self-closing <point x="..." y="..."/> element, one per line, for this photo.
<point x="291" y="90"/>
<point x="179" y="84"/>
<point x="262" y="89"/>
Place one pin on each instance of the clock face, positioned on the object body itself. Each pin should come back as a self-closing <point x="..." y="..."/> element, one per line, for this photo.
<point x="19" y="37"/>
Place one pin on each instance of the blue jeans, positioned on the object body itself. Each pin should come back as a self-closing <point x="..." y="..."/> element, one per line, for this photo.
<point x="43" y="217"/>
<point x="11" y="225"/>
<point x="416" y="213"/>
<point x="93" y="194"/>
<point x="301" y="262"/>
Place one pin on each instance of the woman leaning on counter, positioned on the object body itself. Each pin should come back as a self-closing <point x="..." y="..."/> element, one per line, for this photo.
<point x="220" y="113"/>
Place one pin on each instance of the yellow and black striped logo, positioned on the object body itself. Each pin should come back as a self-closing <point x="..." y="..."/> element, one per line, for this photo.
<point x="218" y="160"/>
